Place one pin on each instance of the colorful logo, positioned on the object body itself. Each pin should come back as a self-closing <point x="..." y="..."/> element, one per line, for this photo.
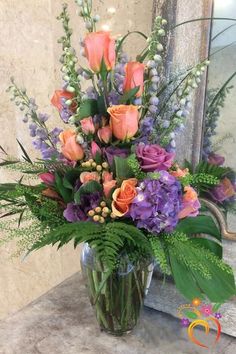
<point x="201" y="314"/>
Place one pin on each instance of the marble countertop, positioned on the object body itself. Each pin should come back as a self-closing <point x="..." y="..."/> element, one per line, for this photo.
<point x="62" y="322"/>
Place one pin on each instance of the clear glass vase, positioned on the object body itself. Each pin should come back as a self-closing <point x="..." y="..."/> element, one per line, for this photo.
<point x="116" y="297"/>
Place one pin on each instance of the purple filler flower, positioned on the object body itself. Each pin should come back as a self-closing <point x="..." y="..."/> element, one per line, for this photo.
<point x="157" y="204"/>
<point x="154" y="158"/>
<point x="218" y="315"/>
<point x="185" y="322"/>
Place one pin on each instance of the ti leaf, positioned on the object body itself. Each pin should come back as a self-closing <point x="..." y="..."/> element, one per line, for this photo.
<point x="202" y="224"/>
<point x="123" y="171"/>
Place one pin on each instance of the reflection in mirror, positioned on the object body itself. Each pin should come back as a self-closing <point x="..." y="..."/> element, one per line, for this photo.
<point x="220" y="119"/>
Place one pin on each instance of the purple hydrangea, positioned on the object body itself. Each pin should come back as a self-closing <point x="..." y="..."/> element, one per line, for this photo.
<point x="157" y="204"/>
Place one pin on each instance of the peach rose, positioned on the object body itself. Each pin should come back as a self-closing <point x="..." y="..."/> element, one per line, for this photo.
<point x="100" y="46"/>
<point x="190" y="203"/>
<point x="105" y="134"/>
<point x="89" y="176"/>
<point x="124" y="121"/>
<point x="134" y="76"/>
<point x="87" y="126"/>
<point x="57" y="97"/>
<point x="123" y="197"/>
<point x="178" y="173"/>
<point x="107" y="176"/>
<point x="108" y="186"/>
<point x="70" y="148"/>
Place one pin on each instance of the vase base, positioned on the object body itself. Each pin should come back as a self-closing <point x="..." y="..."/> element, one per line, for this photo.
<point x="116" y="333"/>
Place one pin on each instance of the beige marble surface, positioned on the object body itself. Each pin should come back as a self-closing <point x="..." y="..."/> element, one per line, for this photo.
<point x="63" y="322"/>
<point x="29" y="51"/>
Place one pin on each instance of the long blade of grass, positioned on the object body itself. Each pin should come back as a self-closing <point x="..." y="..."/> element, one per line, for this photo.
<point x="214" y="100"/>
<point x="25" y="155"/>
<point x="223" y="48"/>
<point x="204" y="19"/>
<point x="221" y="32"/>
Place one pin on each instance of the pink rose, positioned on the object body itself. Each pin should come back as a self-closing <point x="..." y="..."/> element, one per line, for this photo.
<point x="95" y="149"/>
<point x="87" y="126"/>
<point x="107" y="176"/>
<point x="47" y="178"/>
<point x="154" y="158"/>
<point x="105" y="134"/>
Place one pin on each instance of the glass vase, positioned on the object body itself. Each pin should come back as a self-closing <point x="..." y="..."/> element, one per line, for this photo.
<point x="117" y="297"/>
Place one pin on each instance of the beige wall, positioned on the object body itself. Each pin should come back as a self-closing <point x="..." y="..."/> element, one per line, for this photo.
<point x="29" y="52"/>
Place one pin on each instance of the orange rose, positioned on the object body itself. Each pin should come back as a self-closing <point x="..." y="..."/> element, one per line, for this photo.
<point x="134" y="76"/>
<point x="124" y="121"/>
<point x="123" y="197"/>
<point x="70" y="148"/>
<point x="57" y="97"/>
<point x="100" y="46"/>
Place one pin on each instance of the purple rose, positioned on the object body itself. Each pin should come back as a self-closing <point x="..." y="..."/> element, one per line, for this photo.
<point x="216" y="159"/>
<point x="112" y="151"/>
<point x="224" y="191"/>
<point x="154" y="158"/>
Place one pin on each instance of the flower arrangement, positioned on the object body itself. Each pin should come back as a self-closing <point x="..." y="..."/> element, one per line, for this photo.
<point x="111" y="179"/>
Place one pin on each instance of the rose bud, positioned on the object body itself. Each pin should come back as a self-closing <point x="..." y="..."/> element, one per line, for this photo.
<point x="70" y="148"/>
<point x="134" y="76"/>
<point x="105" y="134"/>
<point x="87" y="126"/>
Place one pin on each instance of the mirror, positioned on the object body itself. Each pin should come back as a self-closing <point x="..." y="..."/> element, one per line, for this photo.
<point x="219" y="144"/>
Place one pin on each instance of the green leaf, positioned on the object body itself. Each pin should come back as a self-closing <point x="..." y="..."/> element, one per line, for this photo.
<point x="88" y="188"/>
<point x="212" y="246"/>
<point x="190" y="314"/>
<point x="62" y="190"/>
<point x="201" y="224"/>
<point x="216" y="307"/>
<point x="88" y="108"/>
<point x="123" y="171"/>
<point x="204" y="19"/>
<point x="130" y="95"/>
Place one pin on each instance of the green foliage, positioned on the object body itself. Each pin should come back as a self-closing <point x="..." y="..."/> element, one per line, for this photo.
<point x="134" y="165"/>
<point x="63" y="190"/>
<point x="213" y="170"/>
<point x="127" y="97"/>
<point x="88" y="108"/>
<point x="196" y="269"/>
<point x="109" y="239"/>
<point x="160" y="254"/>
